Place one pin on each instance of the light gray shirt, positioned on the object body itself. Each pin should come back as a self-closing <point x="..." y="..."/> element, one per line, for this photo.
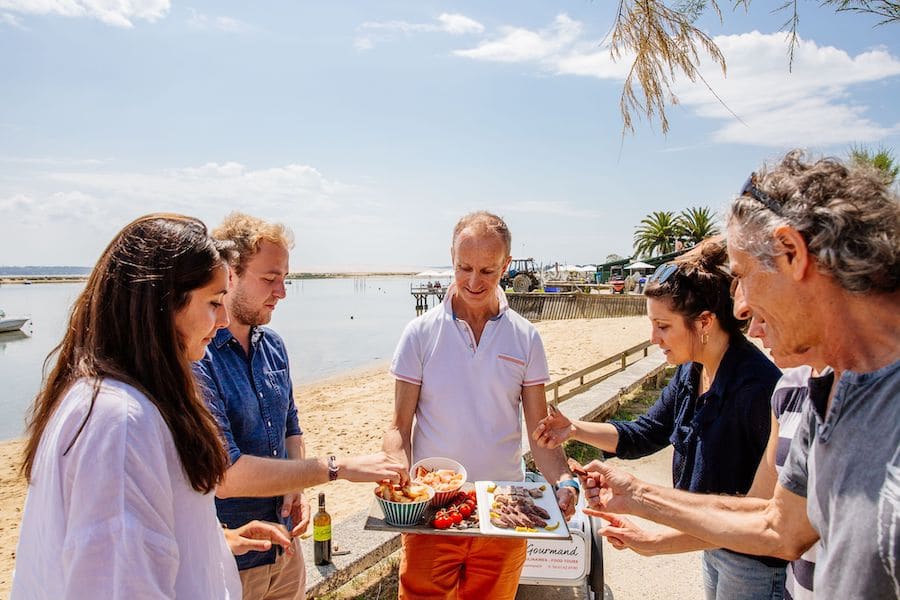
<point x="847" y="465"/>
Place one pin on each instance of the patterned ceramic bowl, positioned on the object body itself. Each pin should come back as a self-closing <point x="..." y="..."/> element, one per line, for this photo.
<point x="404" y="514"/>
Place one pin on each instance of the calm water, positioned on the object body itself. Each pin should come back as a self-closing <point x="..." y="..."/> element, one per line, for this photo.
<point x="314" y="319"/>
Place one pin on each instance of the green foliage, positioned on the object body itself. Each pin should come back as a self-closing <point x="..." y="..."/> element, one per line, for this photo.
<point x="691" y="9"/>
<point x="581" y="452"/>
<point x="636" y="405"/>
<point x="887" y="10"/>
<point x="696" y="224"/>
<point x="638" y="402"/>
<point x="379" y="582"/>
<point x="881" y="159"/>
<point x="656" y="233"/>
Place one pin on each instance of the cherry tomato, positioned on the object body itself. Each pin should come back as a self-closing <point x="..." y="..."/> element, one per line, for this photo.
<point x="455" y="516"/>
<point x="465" y="510"/>
<point x="441" y="520"/>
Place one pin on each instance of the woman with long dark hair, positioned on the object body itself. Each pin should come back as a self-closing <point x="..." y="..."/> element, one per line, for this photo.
<point x="122" y="454"/>
<point x="714" y="411"/>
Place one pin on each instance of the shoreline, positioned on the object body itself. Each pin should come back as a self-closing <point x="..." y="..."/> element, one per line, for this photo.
<point x="301" y="275"/>
<point x="335" y="379"/>
<point x="347" y="413"/>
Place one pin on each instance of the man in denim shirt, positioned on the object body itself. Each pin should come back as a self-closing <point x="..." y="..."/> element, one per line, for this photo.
<point x="246" y="379"/>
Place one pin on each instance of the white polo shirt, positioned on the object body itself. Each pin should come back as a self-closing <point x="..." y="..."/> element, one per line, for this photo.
<point x="470" y="399"/>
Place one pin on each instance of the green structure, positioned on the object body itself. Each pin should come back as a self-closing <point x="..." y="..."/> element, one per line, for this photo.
<point x="608" y="270"/>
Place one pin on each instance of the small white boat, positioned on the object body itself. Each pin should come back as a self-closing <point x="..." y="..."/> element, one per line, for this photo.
<point x="11" y="323"/>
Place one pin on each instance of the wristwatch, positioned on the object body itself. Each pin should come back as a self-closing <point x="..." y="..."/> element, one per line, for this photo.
<point x="573" y="483"/>
<point x="332" y="468"/>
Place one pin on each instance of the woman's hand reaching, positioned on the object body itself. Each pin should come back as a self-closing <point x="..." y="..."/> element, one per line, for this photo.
<point x="553" y="430"/>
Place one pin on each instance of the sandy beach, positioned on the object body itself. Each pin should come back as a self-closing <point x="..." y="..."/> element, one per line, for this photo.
<point x="347" y="414"/>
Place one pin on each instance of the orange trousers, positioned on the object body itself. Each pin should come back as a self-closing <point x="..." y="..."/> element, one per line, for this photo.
<point x="464" y="568"/>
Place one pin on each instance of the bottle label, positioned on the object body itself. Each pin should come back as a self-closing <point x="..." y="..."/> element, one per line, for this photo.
<point x="321" y="533"/>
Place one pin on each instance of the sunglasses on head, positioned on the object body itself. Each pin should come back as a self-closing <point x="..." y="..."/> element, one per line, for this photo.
<point x="749" y="189"/>
<point x="663" y="273"/>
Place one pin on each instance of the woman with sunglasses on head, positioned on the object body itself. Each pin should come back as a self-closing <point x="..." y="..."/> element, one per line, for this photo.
<point x="122" y="455"/>
<point x="714" y="411"/>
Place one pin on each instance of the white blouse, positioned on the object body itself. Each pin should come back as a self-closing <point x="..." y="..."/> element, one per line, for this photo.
<point x="116" y="518"/>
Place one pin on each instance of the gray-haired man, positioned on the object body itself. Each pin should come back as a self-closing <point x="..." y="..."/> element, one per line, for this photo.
<point x="815" y="248"/>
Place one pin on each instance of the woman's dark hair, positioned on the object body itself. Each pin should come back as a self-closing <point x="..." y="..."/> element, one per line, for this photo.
<point x="122" y="326"/>
<point x="701" y="283"/>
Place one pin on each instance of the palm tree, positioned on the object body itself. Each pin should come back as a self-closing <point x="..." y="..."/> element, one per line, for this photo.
<point x="695" y="224"/>
<point x="656" y="233"/>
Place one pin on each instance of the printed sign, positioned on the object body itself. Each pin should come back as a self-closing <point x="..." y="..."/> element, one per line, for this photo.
<point x="556" y="559"/>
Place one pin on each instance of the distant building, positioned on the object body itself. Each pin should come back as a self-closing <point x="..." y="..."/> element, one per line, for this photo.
<point x="608" y="270"/>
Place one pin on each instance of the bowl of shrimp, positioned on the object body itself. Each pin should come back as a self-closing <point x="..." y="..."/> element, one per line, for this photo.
<point x="444" y="475"/>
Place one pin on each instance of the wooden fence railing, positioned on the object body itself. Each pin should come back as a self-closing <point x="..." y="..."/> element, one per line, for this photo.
<point x="545" y="307"/>
<point x="582" y="376"/>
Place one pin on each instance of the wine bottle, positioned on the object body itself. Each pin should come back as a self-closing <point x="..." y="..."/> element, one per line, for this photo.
<point x="322" y="534"/>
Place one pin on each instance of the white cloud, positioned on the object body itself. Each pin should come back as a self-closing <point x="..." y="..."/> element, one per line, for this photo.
<point x="808" y="122"/>
<point x="202" y="22"/>
<point x="34" y="211"/>
<point x="299" y="189"/>
<point x="810" y="105"/>
<point x="587" y="60"/>
<point x="11" y="20"/>
<point x="550" y="208"/>
<point x="516" y="44"/>
<point x="88" y="204"/>
<point x="119" y="13"/>
<point x="363" y="43"/>
<point x="454" y="24"/>
<point x="81" y="195"/>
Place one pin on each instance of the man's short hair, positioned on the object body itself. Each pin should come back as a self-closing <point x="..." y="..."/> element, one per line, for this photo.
<point x="847" y="213"/>
<point x="247" y="232"/>
<point x="484" y="222"/>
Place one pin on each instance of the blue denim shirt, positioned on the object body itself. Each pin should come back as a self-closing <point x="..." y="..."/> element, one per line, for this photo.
<point x="253" y="401"/>
<point x="718" y="437"/>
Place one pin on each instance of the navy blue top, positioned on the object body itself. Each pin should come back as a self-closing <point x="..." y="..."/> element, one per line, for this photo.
<point x="718" y="437"/>
<point x="252" y="399"/>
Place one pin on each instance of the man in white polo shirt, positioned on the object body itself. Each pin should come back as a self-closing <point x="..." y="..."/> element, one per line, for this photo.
<point x="464" y="370"/>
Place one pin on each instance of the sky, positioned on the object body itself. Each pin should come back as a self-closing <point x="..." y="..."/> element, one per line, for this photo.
<point x="370" y="127"/>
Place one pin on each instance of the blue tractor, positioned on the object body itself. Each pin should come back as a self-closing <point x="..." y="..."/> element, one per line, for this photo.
<point x="522" y="276"/>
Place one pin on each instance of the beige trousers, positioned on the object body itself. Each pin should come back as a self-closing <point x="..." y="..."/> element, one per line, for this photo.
<point x="283" y="580"/>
